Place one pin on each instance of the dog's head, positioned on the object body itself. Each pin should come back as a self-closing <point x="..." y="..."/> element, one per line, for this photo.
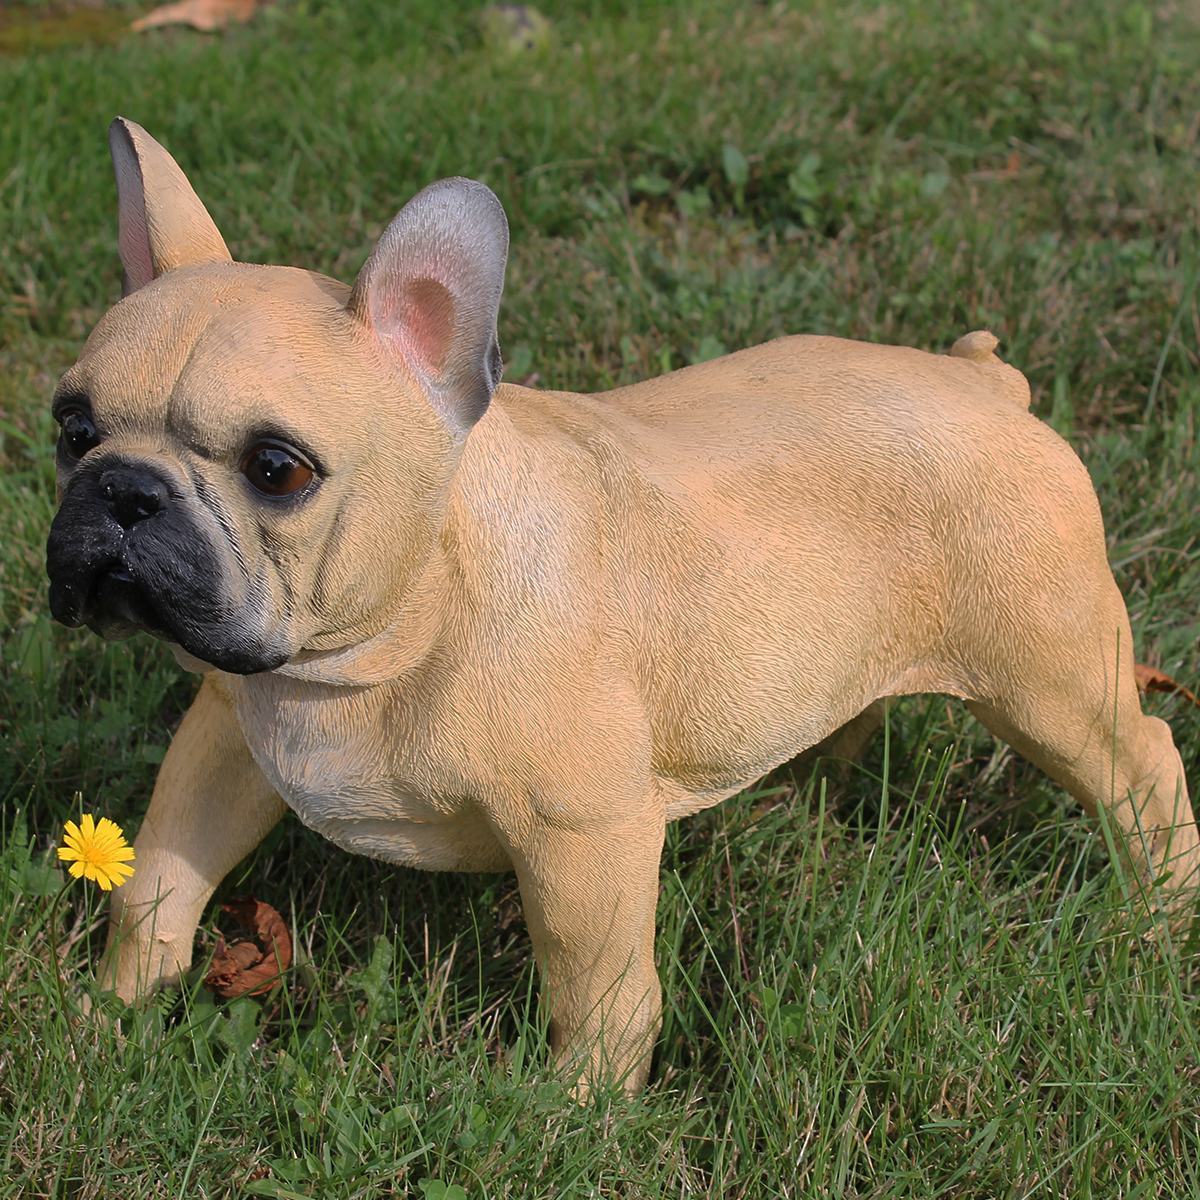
<point x="255" y="460"/>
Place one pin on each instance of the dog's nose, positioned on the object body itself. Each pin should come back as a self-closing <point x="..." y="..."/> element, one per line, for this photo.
<point x="132" y="494"/>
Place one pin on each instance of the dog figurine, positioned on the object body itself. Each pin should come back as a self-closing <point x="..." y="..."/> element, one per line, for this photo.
<point x="462" y="625"/>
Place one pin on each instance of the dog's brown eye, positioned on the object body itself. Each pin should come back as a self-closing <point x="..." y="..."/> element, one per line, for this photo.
<point x="275" y="470"/>
<point x="78" y="433"/>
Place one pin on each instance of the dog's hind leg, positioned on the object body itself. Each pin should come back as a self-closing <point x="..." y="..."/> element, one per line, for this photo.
<point x="1068" y="701"/>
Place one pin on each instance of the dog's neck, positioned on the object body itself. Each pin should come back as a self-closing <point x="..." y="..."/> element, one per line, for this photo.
<point x="407" y="639"/>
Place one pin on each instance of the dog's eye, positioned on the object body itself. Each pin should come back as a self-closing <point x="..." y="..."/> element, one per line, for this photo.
<point x="275" y="470"/>
<point x="78" y="433"/>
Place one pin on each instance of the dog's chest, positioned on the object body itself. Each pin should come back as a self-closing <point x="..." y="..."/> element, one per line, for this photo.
<point x="359" y="770"/>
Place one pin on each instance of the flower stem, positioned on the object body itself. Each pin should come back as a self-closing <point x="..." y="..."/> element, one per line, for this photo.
<point x="58" y="975"/>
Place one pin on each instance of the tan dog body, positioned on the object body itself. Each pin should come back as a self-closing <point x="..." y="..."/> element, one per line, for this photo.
<point x="533" y="646"/>
<point x="612" y="565"/>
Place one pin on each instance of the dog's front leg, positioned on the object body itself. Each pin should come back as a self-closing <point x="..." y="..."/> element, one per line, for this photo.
<point x="211" y="806"/>
<point x="590" y="899"/>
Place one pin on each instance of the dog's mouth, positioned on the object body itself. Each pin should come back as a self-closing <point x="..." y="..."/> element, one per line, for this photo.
<point x="111" y="603"/>
<point x="118" y="606"/>
<point x="111" y="599"/>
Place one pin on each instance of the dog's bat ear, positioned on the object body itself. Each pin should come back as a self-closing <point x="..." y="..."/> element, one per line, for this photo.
<point x="430" y="293"/>
<point x="161" y="223"/>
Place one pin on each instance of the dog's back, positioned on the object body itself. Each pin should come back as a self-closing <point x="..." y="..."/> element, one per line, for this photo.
<point x="796" y="529"/>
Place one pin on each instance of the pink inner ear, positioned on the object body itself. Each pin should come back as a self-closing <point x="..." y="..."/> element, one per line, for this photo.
<point x="420" y="317"/>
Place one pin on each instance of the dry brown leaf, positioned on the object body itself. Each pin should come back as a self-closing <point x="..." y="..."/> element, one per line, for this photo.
<point x="251" y="968"/>
<point x="1151" y="679"/>
<point x="205" y="15"/>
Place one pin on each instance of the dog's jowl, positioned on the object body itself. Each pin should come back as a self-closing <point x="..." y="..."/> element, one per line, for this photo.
<point x="462" y="625"/>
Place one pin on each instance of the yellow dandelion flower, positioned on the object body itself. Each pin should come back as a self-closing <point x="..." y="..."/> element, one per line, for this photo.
<point x="97" y="850"/>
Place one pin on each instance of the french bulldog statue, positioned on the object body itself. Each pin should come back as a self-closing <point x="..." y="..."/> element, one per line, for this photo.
<point x="462" y="625"/>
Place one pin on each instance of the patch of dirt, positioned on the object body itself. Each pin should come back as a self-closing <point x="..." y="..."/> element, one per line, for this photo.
<point x="33" y="28"/>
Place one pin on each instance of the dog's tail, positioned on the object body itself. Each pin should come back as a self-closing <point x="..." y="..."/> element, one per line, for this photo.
<point x="979" y="346"/>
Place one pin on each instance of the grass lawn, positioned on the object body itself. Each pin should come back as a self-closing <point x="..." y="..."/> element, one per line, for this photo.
<point x="909" y="983"/>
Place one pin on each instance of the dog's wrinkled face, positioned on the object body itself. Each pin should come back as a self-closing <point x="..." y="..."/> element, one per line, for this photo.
<point x="254" y="460"/>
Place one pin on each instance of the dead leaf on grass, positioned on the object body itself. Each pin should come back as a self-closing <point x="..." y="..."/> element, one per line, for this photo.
<point x="251" y="968"/>
<point x="1151" y="679"/>
<point x="206" y="15"/>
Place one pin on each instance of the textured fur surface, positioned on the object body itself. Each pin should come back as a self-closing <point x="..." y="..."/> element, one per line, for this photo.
<point x="524" y="629"/>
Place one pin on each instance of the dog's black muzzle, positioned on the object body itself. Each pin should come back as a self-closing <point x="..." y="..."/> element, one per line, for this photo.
<point x="126" y="554"/>
<point x="94" y="541"/>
